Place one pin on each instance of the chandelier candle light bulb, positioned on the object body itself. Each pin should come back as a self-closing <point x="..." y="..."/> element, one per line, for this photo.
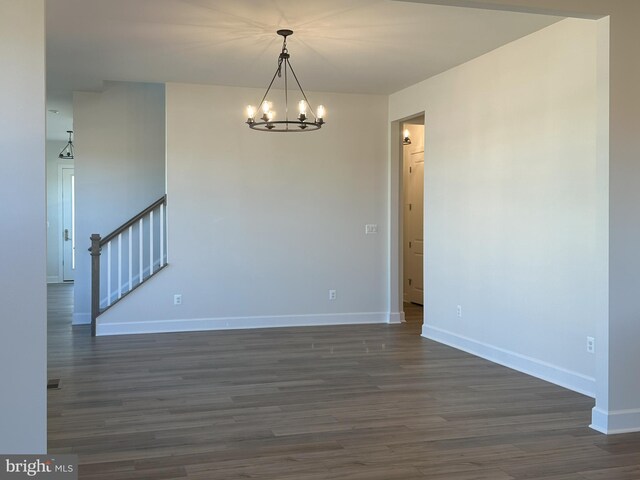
<point x="302" y="108"/>
<point x="251" y="113"/>
<point x="270" y="116"/>
<point x="265" y="107"/>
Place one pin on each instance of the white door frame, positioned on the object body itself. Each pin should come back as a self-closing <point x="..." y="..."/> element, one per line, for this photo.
<point x="396" y="224"/>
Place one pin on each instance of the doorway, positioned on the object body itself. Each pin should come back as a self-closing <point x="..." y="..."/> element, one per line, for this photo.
<point x="412" y="197"/>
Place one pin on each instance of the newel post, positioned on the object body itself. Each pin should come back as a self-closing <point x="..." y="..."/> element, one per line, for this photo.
<point x="95" y="280"/>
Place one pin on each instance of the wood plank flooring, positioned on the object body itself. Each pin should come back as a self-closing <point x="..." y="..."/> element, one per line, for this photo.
<point x="372" y="402"/>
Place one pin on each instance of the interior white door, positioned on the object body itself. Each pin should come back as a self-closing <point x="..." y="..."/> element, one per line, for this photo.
<point x="415" y="228"/>
<point x="68" y="225"/>
<point x="413" y="195"/>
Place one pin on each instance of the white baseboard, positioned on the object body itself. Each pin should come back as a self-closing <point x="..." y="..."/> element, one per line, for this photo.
<point x="397" y="317"/>
<point x="551" y="373"/>
<point x="53" y="279"/>
<point x="81" y="319"/>
<point x="233" y="323"/>
<point x="616" y="421"/>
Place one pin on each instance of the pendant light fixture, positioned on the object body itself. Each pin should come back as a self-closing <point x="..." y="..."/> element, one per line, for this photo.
<point x="305" y="120"/>
<point x="67" y="151"/>
<point x="406" y="138"/>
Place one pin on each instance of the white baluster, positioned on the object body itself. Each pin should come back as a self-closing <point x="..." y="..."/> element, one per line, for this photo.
<point x="130" y="258"/>
<point x="109" y="273"/>
<point x="141" y="254"/>
<point x="119" y="266"/>
<point x="162" y="262"/>
<point x="151" y="243"/>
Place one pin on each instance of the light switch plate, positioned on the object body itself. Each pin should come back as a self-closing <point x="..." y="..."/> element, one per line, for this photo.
<point x="370" y="228"/>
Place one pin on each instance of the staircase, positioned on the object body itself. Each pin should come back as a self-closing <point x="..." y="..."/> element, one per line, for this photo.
<point x="127" y="257"/>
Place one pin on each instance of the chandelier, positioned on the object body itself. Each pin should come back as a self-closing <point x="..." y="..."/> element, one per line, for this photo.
<point x="268" y="121"/>
<point x="67" y="151"/>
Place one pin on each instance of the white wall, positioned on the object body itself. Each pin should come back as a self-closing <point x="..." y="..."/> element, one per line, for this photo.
<point x="119" y="142"/>
<point x="54" y="225"/>
<point x="513" y="204"/>
<point x="23" y="316"/>
<point x="262" y="225"/>
<point x="617" y="407"/>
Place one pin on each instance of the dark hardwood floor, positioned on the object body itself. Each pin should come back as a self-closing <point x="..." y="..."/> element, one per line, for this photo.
<point x="372" y="402"/>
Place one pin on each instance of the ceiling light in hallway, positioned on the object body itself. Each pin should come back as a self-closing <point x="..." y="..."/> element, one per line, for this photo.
<point x="67" y="151"/>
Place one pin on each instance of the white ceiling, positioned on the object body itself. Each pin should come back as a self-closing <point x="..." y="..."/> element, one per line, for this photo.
<point x="364" y="46"/>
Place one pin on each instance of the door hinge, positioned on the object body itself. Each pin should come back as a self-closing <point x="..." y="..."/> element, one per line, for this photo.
<point x="410" y="169"/>
<point x="410" y="206"/>
<point x="409" y="244"/>
<point x="409" y="282"/>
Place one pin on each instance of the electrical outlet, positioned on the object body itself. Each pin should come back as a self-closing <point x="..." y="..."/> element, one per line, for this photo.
<point x="177" y="299"/>
<point x="459" y="311"/>
<point x="332" y="295"/>
<point x="591" y="345"/>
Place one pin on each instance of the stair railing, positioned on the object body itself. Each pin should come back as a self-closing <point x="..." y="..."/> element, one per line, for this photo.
<point x="135" y="251"/>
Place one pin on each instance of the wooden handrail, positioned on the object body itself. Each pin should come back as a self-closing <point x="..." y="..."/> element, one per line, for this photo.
<point x="161" y="201"/>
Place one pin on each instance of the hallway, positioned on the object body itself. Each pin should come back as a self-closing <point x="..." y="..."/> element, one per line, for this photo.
<point x="338" y="402"/>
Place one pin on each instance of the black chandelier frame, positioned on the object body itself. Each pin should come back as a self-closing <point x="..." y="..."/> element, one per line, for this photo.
<point x="302" y="123"/>
<point x="67" y="151"/>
